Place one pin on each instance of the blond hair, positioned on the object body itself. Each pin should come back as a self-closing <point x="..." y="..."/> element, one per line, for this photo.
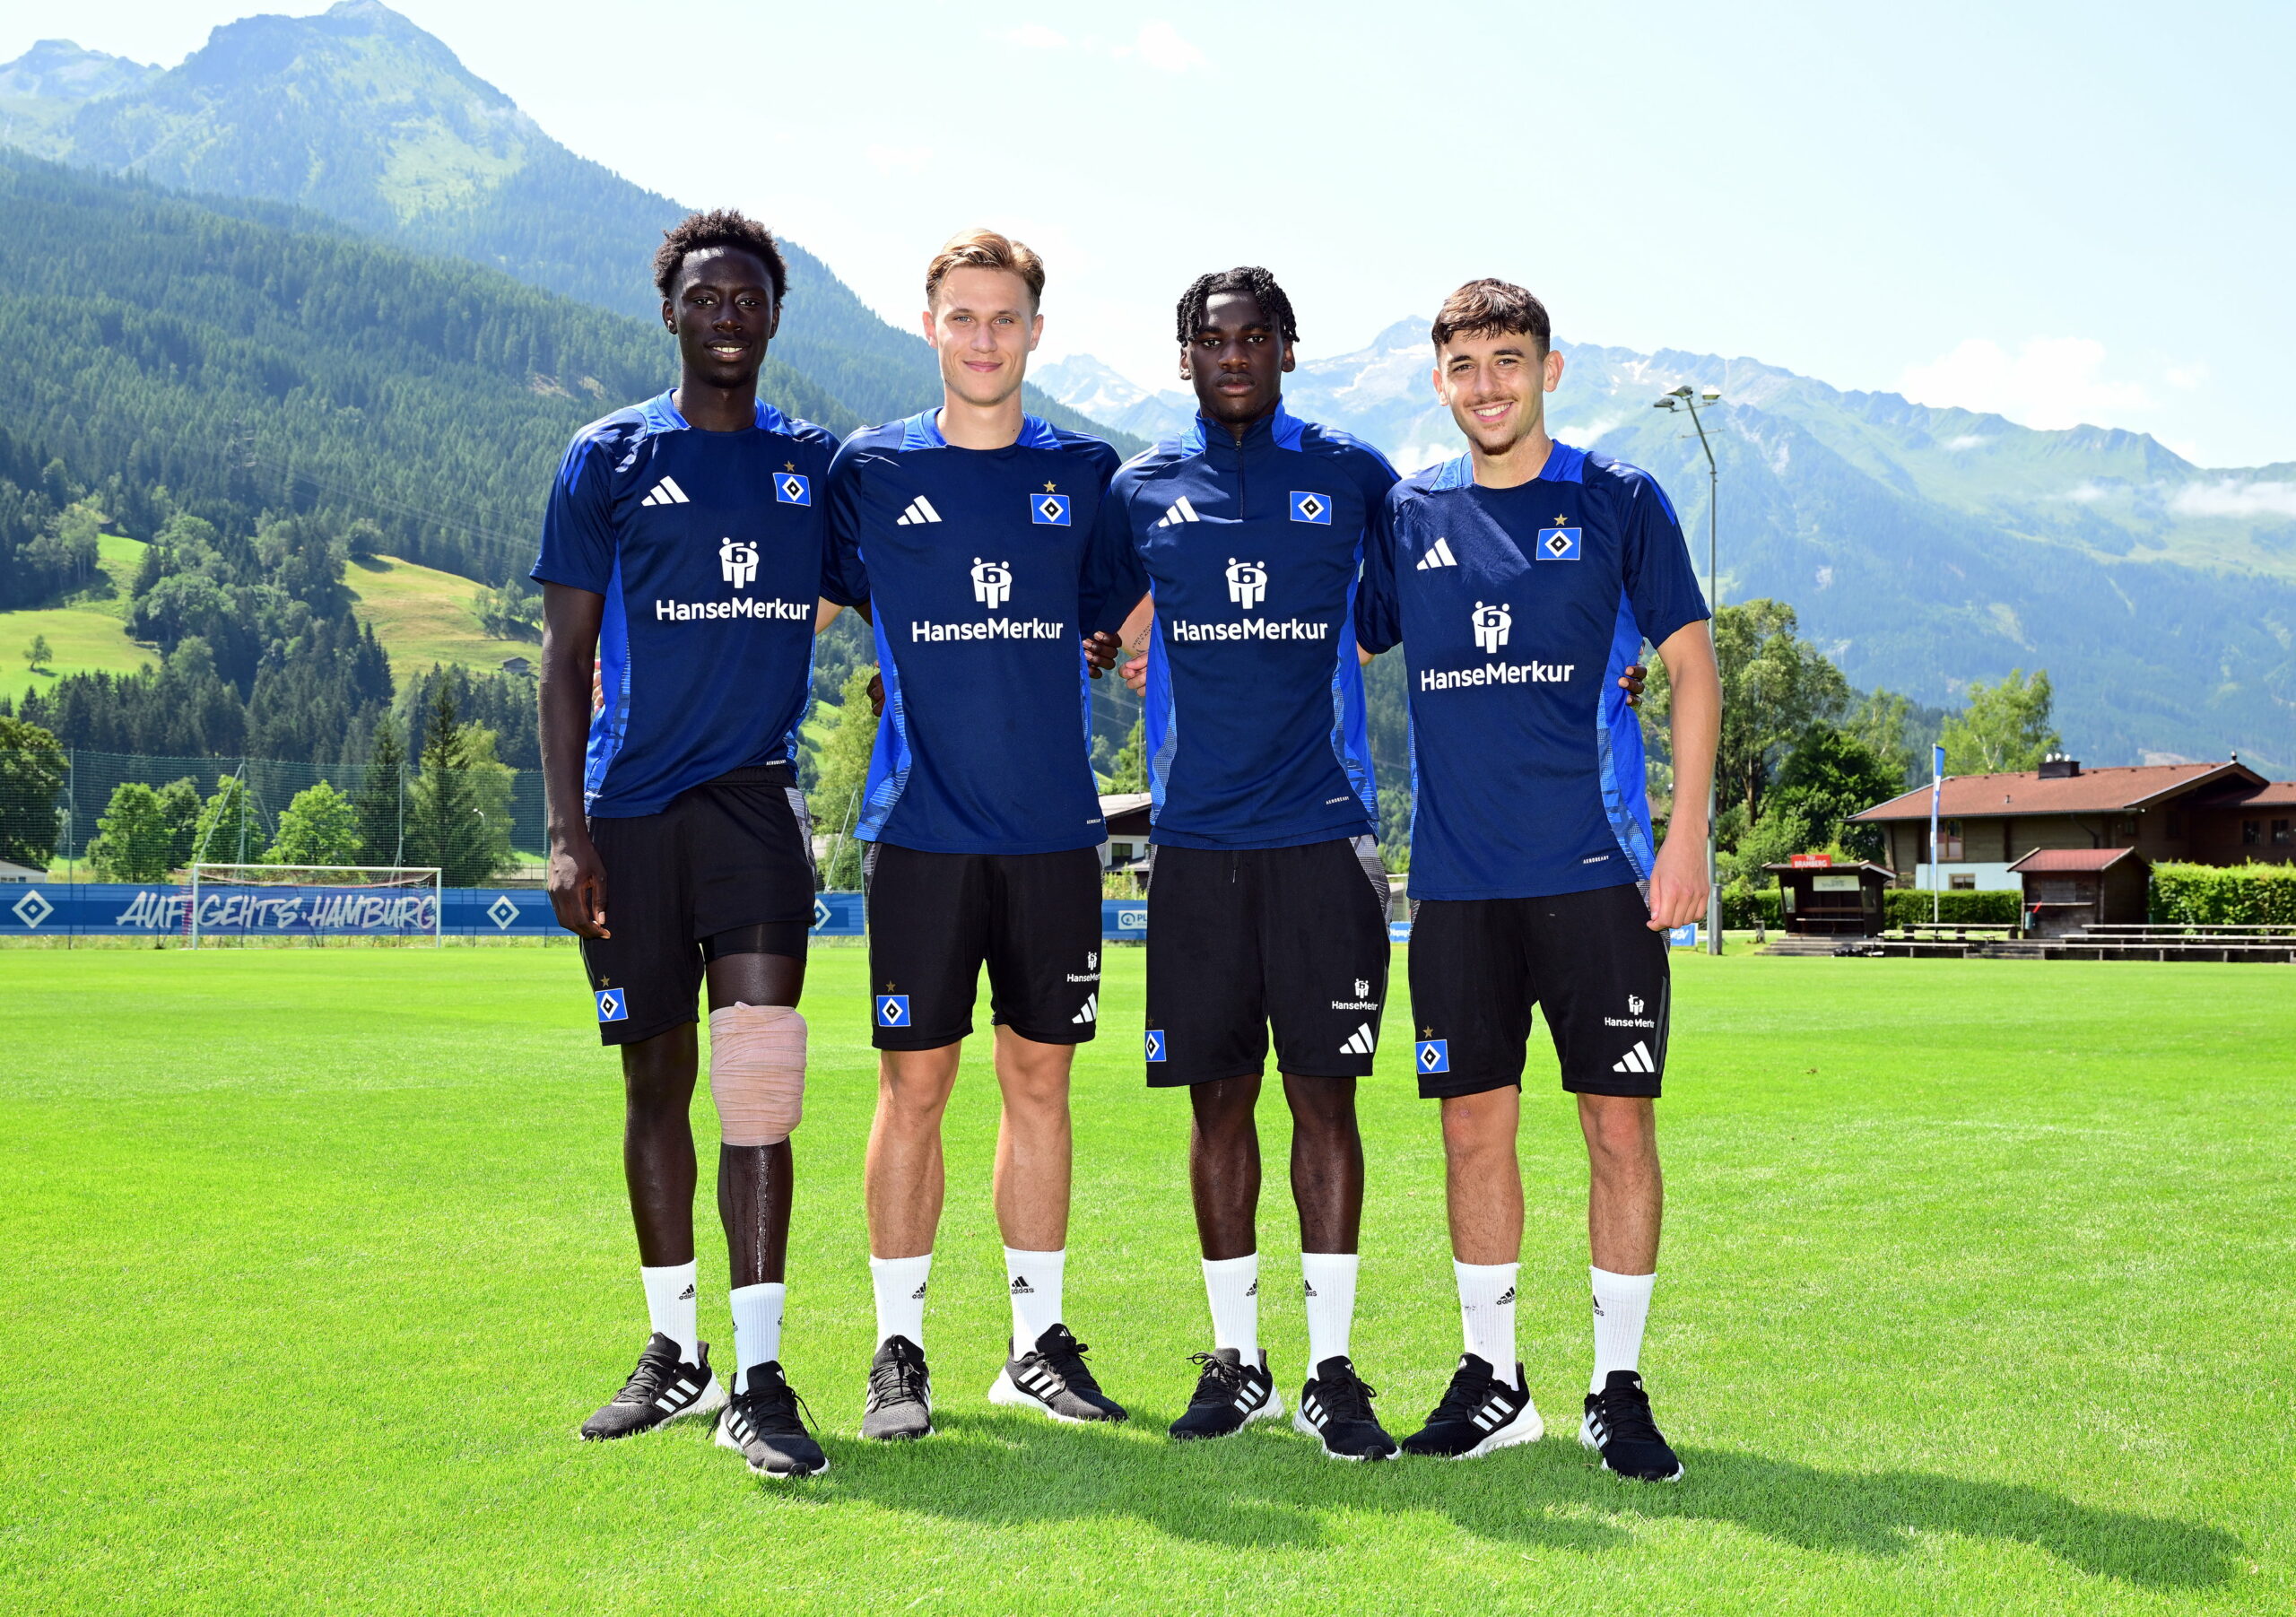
<point x="984" y="248"/>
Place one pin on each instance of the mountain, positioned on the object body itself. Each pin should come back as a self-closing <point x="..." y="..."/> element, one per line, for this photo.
<point x="1084" y="383"/>
<point x="250" y="359"/>
<point x="360" y="115"/>
<point x="1925" y="548"/>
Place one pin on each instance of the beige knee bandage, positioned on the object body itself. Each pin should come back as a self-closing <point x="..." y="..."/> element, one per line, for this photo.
<point x="757" y="1072"/>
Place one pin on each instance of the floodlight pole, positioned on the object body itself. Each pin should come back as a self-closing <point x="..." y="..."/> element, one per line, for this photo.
<point x="1690" y="401"/>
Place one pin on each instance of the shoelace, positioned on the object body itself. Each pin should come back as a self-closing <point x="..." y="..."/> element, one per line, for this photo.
<point x="900" y="1379"/>
<point x="1221" y="1381"/>
<point x="647" y="1381"/>
<point x="779" y="1399"/>
<point x="1348" y="1397"/>
<point x="1066" y="1360"/>
<point x="1625" y="1413"/>
<point x="1463" y="1397"/>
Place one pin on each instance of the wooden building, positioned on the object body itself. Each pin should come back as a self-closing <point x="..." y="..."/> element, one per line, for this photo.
<point x="2069" y="888"/>
<point x="2208" y="813"/>
<point x="1831" y="901"/>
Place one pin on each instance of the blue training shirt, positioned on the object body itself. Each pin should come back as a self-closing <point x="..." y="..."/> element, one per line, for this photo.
<point x="710" y="548"/>
<point x="974" y="562"/>
<point x="1518" y="609"/>
<point x="1255" y="725"/>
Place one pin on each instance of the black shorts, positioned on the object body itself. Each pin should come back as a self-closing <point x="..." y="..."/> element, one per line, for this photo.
<point x="936" y="920"/>
<point x="733" y="855"/>
<point x="1238" y="939"/>
<point x="1590" y="958"/>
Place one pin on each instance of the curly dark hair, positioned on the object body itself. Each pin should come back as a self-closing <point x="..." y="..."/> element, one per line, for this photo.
<point x="1244" y="278"/>
<point x="719" y="227"/>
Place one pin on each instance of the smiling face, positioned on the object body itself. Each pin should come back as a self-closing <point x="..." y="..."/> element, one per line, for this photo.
<point x="1236" y="360"/>
<point x="1496" y="384"/>
<point x="722" y="308"/>
<point x="984" y="323"/>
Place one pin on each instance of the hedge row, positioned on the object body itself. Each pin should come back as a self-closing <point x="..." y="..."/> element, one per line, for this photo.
<point x="2214" y="895"/>
<point x="1744" y="905"/>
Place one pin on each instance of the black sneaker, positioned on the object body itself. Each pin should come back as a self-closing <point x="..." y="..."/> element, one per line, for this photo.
<point x="663" y="1388"/>
<point x="1618" y="1426"/>
<point x="1230" y="1396"/>
<point x="900" y="1394"/>
<point x="1335" y="1407"/>
<point x="761" y="1424"/>
<point x="1478" y="1412"/>
<point x="1052" y="1379"/>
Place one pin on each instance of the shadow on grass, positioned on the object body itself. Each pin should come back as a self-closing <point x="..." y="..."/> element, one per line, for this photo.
<point x="1268" y="1487"/>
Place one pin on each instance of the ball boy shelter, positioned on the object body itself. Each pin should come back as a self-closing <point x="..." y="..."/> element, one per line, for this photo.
<point x="2206" y="813"/>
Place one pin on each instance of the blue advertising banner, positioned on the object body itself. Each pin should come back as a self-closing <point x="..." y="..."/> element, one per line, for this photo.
<point x="1125" y="919"/>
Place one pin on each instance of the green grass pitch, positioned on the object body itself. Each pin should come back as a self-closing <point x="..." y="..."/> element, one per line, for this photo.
<point x="1975" y="1298"/>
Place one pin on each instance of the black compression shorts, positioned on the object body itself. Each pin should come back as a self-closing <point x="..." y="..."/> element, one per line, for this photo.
<point x="1588" y="960"/>
<point x="726" y="868"/>
<point x="936" y="920"/>
<point x="1240" y="939"/>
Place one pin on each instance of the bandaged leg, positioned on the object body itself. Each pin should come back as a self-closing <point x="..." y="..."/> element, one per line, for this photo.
<point x="757" y="1072"/>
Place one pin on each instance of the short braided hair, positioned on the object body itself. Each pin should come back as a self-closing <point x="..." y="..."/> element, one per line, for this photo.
<point x="719" y="227"/>
<point x="1244" y="278"/>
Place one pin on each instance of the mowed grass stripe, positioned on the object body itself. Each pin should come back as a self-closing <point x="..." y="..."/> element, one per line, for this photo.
<point x="316" y="1257"/>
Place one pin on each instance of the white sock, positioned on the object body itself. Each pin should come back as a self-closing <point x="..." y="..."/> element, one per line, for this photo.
<point x="1232" y="1283"/>
<point x="669" y="1305"/>
<point x="1032" y="1279"/>
<point x="1487" y="1314"/>
<point x="1622" y="1308"/>
<point x="757" y="1327"/>
<point x="899" y="1283"/>
<point x="1330" y="1280"/>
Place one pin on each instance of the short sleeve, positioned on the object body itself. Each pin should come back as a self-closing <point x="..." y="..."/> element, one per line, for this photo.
<point x="1379" y="616"/>
<point x="578" y="539"/>
<point x="1114" y="580"/>
<point x="1661" y="583"/>
<point x="845" y="574"/>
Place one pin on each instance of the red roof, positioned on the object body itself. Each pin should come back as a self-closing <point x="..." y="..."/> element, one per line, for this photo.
<point x="2045" y="861"/>
<point x="2113" y="790"/>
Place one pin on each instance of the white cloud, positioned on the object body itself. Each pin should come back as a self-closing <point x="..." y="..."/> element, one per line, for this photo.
<point x="2049" y="383"/>
<point x="2086" y="493"/>
<point x="1967" y="440"/>
<point x="898" y="159"/>
<point x="1162" y="47"/>
<point x="2235" y="499"/>
<point x="1036" y="36"/>
<point x="2185" y="377"/>
<point x="1594" y="428"/>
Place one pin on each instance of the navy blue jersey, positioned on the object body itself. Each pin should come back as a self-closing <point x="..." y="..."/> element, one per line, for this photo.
<point x="710" y="548"/>
<point x="1255" y="731"/>
<point x="974" y="560"/>
<point x="1518" y="609"/>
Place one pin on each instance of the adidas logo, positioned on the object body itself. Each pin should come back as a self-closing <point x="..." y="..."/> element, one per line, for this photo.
<point x="918" y="1295"/>
<point x="1438" y="554"/>
<point x="1359" y="1042"/>
<point x="665" y="493"/>
<point x="686" y="1295"/>
<point x="1091" y="1011"/>
<point x="1307" y="1288"/>
<point x="1506" y="1297"/>
<point x="1252" y="1290"/>
<point x="1180" y="511"/>
<point x="1021" y="1288"/>
<point x="920" y="509"/>
<point x="1636" y="1060"/>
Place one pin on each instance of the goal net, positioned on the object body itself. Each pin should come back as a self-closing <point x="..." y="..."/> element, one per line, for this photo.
<point x="271" y="902"/>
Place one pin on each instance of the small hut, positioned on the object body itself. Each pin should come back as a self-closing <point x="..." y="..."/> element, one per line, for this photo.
<point x="2069" y="888"/>
<point x="1824" y="899"/>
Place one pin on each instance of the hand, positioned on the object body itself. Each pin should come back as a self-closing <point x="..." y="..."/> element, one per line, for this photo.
<point x="1678" y="882"/>
<point x="578" y="885"/>
<point x="1630" y="682"/>
<point x="1102" y="650"/>
<point x="877" y="694"/>
<point x="598" y="687"/>
<point x="1134" y="674"/>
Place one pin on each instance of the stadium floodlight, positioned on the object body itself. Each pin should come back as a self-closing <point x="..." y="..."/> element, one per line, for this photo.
<point x="286" y="902"/>
<point x="1681" y="394"/>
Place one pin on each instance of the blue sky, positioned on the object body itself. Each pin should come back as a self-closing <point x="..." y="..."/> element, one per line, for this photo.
<point x="2064" y="213"/>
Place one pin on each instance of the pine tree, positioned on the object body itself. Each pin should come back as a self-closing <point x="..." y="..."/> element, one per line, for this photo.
<point x="380" y="802"/>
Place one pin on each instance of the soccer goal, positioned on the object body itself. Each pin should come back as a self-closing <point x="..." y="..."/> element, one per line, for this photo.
<point x="270" y="903"/>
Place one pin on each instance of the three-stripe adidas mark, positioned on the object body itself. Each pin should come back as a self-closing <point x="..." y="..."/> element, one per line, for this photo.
<point x="1494" y="1413"/>
<point x="1438" y="554"/>
<point x="920" y="509"/>
<point x="1178" y="511"/>
<point x="1360" y="1042"/>
<point x="1636" y="1060"/>
<point x="680" y="1392"/>
<point x="665" y="493"/>
<point x="1091" y="1011"/>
